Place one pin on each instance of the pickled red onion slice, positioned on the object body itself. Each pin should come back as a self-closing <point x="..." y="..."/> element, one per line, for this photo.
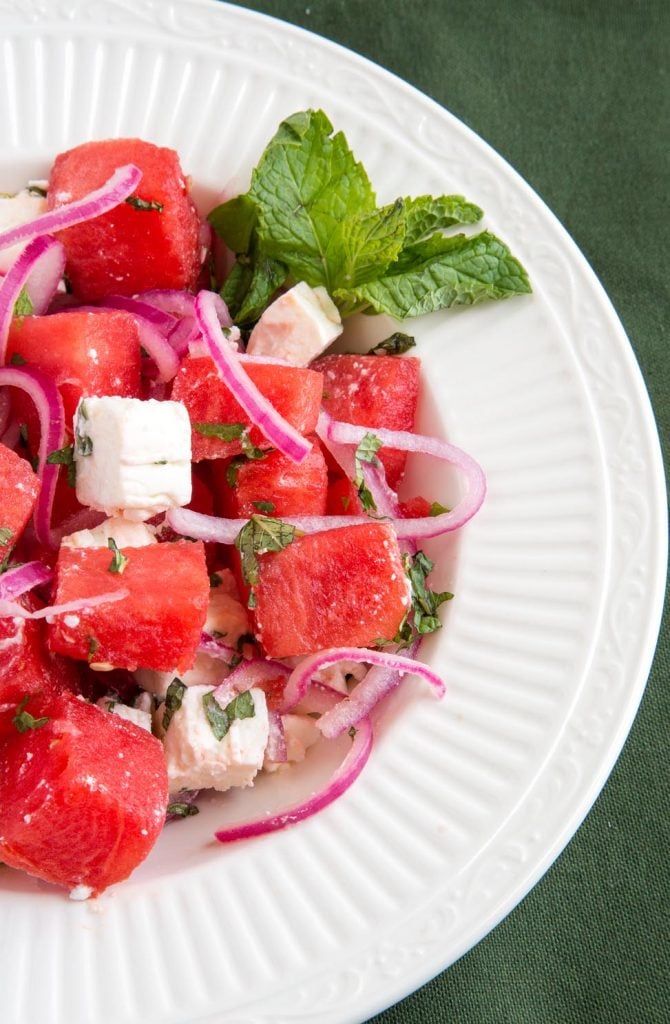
<point x="300" y="678"/>
<point x="276" y="746"/>
<point x="260" y="411"/>
<point x="39" y="269"/>
<point x="344" y="776"/>
<point x="49" y="406"/>
<point x="19" y="580"/>
<point x="116" y="189"/>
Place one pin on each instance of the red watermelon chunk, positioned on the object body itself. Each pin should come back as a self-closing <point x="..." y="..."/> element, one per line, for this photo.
<point x="127" y="250"/>
<point x="343" y="586"/>
<point x="82" y="797"/>
<point x="85" y="352"/>
<point x="157" y="625"/>
<point x="373" y="391"/>
<point x="291" y="489"/>
<point x="19" y="488"/>
<point x="294" y="392"/>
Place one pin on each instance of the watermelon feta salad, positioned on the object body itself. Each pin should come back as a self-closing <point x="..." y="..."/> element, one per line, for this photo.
<point x="206" y="566"/>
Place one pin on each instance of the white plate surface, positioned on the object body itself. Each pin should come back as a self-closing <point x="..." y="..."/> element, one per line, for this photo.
<point x="559" y="580"/>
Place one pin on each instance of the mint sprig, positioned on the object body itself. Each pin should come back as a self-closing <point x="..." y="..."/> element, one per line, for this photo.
<point x="311" y="214"/>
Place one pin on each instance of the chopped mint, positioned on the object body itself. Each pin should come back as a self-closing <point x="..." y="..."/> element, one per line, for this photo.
<point x="425" y="602"/>
<point x="222" y="431"/>
<point x="65" y="457"/>
<point x="220" y="719"/>
<point x="23" y="305"/>
<point x="5" y="535"/>
<point x="23" y="721"/>
<point x="395" y="345"/>
<point x="366" y="451"/>
<point x="259" y="535"/>
<point x="436" y="509"/>
<point x="181" y="810"/>
<point x="144" y="204"/>
<point x="92" y="647"/>
<point x="119" y="560"/>
<point x="266" y="507"/>
<point x="173" y="700"/>
<point x="17" y="359"/>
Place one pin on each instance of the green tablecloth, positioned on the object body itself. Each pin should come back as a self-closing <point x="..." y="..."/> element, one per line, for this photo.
<point x="576" y="95"/>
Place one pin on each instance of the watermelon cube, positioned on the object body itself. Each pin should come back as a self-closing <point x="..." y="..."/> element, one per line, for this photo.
<point x="128" y="249"/>
<point x="295" y="393"/>
<point x="373" y="391"/>
<point x="157" y="625"/>
<point x="83" y="796"/>
<point x="85" y="352"/>
<point x="289" y="488"/>
<point x="340" y="587"/>
<point x="19" y="488"/>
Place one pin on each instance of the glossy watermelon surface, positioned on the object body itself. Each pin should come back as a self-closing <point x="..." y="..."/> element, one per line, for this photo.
<point x="127" y="250"/>
<point x="156" y="625"/>
<point x="289" y="488"/>
<point x="84" y="352"/>
<point x="19" y="488"/>
<point x="82" y="796"/>
<point x="294" y="392"/>
<point x="339" y="587"/>
<point x="373" y="391"/>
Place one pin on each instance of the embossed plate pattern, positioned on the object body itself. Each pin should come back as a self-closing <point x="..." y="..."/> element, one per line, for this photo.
<point x="559" y="581"/>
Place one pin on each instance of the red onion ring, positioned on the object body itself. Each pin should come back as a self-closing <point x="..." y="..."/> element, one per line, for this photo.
<point x="116" y="189"/>
<point x="248" y="674"/>
<point x="21" y="579"/>
<point x="49" y="405"/>
<point x="262" y="413"/>
<point x="347" y="713"/>
<point x="182" y="304"/>
<point x="276" y="746"/>
<point x="301" y="676"/>
<point x="38" y="269"/>
<point x="426" y="526"/>
<point x="339" y="782"/>
<point x="9" y="610"/>
<point x="160" y="319"/>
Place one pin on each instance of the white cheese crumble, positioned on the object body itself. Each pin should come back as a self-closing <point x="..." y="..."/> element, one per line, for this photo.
<point x="297" y="327"/>
<point x="196" y="759"/>
<point x="124" y="532"/>
<point x="133" y="457"/>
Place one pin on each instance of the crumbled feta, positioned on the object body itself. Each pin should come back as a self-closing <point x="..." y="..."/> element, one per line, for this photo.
<point x="125" y="532"/>
<point x="81" y="892"/>
<point x="300" y="733"/>
<point x="15" y="210"/>
<point x="133" y="457"/>
<point x="197" y="760"/>
<point x="335" y="676"/>
<point x="298" y="326"/>
<point x="137" y="716"/>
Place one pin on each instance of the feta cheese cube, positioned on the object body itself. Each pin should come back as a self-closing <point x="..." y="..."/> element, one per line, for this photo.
<point x="124" y="532"/>
<point x="196" y="759"/>
<point x="135" y="715"/>
<point x="133" y="457"/>
<point x="297" y="327"/>
<point x="15" y="210"/>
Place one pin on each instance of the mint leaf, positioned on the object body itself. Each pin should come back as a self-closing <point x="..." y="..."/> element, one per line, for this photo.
<point x="173" y="700"/>
<point x="5" y="535"/>
<point x="235" y="221"/>
<point x="266" y="507"/>
<point x="425" y="602"/>
<point x="259" y="535"/>
<point x="425" y="215"/>
<point x="436" y="509"/>
<point x="23" y="305"/>
<point x="222" y="431"/>
<point x="251" y="285"/>
<point x="119" y="560"/>
<point x="220" y="719"/>
<point x="394" y="345"/>
<point x="181" y="810"/>
<point x="144" y="204"/>
<point x="23" y="720"/>
<point x="366" y="451"/>
<point x="444" y="271"/>
<point x="65" y="457"/>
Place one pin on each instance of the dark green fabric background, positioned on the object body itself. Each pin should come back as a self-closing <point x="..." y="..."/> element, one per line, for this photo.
<point x="576" y="95"/>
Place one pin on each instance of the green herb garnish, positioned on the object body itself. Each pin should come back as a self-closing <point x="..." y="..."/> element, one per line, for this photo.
<point x="119" y="560"/>
<point x="220" y="719"/>
<point x="259" y="535"/>
<point x="180" y="810"/>
<point x="266" y="507"/>
<point x="436" y="509"/>
<point x="144" y="204"/>
<point x="366" y="451"/>
<point x="173" y="700"/>
<point x="311" y="215"/>
<point x="5" y="535"/>
<point x="23" y="721"/>
<point x="23" y="305"/>
<point x="425" y="602"/>
<point x="222" y="431"/>
<point x="17" y="359"/>
<point x="65" y="457"/>
<point x="394" y="345"/>
<point x="92" y="647"/>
